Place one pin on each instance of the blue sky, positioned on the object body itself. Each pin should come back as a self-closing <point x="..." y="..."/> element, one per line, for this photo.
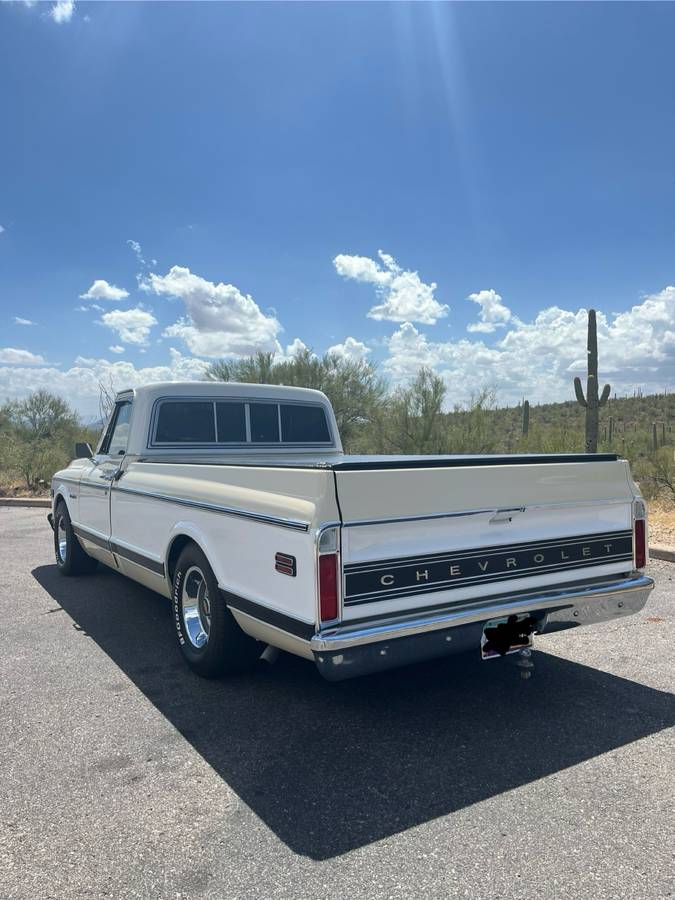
<point x="513" y="163"/>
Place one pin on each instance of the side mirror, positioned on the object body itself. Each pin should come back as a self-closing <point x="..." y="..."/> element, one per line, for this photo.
<point x="83" y="451"/>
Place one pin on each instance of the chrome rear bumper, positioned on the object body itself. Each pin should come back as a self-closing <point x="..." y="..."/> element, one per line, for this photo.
<point x="347" y="650"/>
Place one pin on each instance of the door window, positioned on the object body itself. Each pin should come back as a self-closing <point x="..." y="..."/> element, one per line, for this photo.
<point x="115" y="441"/>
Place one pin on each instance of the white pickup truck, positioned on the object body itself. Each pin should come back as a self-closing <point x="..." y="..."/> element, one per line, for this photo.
<point x="237" y="502"/>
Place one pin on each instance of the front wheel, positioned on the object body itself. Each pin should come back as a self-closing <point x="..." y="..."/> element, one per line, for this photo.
<point x="210" y="640"/>
<point x="70" y="557"/>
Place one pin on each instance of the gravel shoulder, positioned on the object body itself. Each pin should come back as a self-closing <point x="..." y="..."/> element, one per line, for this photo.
<point x="124" y="775"/>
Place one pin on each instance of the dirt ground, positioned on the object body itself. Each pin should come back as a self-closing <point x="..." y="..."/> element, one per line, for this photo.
<point x="662" y="524"/>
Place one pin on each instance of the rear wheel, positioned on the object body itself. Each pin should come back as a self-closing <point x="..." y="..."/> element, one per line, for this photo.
<point x="210" y="640"/>
<point x="70" y="557"/>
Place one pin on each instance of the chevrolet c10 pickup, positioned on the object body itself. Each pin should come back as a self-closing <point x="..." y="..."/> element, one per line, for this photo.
<point x="237" y="503"/>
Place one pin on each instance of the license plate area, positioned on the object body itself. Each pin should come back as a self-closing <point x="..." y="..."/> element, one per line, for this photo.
<point x="507" y="635"/>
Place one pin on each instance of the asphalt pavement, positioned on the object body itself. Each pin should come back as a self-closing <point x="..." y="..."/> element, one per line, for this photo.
<point x="124" y="775"/>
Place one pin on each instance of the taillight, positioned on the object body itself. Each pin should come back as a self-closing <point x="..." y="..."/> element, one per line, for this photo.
<point x="328" y="576"/>
<point x="328" y="592"/>
<point x="640" y="543"/>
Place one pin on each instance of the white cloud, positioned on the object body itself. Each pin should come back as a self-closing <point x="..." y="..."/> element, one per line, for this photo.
<point x="80" y="383"/>
<point x="403" y="296"/>
<point x="132" y="326"/>
<point x="136" y="247"/>
<point x="115" y="348"/>
<point x="138" y="253"/>
<point x="292" y="350"/>
<point x="220" y="321"/>
<point x="350" y="349"/>
<point x="19" y="321"/>
<point x="2" y="229"/>
<point x="14" y="357"/>
<point x="62" y="11"/>
<point x="493" y="314"/>
<point x="539" y="359"/>
<point x="101" y="290"/>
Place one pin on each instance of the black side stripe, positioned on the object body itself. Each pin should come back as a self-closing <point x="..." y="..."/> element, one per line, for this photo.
<point x="87" y="535"/>
<point x="138" y="558"/>
<point x="279" y="620"/>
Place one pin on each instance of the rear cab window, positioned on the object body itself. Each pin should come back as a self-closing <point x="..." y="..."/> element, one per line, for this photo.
<point x="211" y="423"/>
<point x="186" y="422"/>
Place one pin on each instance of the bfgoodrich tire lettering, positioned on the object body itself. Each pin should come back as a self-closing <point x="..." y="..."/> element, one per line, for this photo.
<point x="209" y="638"/>
<point x="70" y="557"/>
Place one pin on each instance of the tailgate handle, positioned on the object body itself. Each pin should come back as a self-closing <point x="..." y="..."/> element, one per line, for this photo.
<point x="505" y="515"/>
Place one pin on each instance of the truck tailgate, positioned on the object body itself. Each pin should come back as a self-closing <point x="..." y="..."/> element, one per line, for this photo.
<point x="417" y="537"/>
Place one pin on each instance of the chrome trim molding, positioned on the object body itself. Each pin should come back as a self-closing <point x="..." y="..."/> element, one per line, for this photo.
<point x="213" y="507"/>
<point x="575" y="605"/>
<point x="493" y="510"/>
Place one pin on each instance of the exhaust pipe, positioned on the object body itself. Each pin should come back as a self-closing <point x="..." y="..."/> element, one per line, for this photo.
<point x="270" y="654"/>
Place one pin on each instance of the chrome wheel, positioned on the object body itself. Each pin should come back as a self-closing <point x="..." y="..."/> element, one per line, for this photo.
<point x="61" y="539"/>
<point x="196" y="607"/>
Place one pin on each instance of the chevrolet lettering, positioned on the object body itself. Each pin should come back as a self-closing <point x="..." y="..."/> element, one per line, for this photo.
<point x="237" y="503"/>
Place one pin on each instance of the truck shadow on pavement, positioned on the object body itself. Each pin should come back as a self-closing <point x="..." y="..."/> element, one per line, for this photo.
<point x="333" y="767"/>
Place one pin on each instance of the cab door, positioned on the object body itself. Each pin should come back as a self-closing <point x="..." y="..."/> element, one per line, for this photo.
<point x="96" y="481"/>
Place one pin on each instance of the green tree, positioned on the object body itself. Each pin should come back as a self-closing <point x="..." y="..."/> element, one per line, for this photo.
<point x="43" y="429"/>
<point x="414" y="421"/>
<point x="355" y="390"/>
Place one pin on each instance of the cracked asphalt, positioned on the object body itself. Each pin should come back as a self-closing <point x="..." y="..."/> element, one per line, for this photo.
<point x="125" y="776"/>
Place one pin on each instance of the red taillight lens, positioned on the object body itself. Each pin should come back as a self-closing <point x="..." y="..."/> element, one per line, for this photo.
<point x="328" y="587"/>
<point x="640" y="541"/>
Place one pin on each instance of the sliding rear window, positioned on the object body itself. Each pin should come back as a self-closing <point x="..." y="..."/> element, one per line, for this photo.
<point x="231" y="422"/>
<point x="264" y="423"/>
<point x="303" y="424"/>
<point x="185" y="422"/>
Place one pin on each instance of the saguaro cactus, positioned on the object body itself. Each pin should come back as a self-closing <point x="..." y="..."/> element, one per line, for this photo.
<point x="526" y="418"/>
<point x="592" y="402"/>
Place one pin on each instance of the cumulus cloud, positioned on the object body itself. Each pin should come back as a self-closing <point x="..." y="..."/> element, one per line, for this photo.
<point x="115" y="348"/>
<point x="220" y="320"/>
<point x="492" y="315"/>
<point x="62" y="11"/>
<point x="295" y="348"/>
<point x="19" y="321"/>
<point x="80" y="383"/>
<point x="403" y="296"/>
<point x="2" y="229"/>
<point x="538" y="359"/>
<point x="132" y="326"/>
<point x="14" y="357"/>
<point x="101" y="290"/>
<point x="350" y="349"/>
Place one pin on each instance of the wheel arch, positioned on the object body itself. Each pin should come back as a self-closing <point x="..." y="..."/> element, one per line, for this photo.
<point x="180" y="538"/>
<point x="60" y="496"/>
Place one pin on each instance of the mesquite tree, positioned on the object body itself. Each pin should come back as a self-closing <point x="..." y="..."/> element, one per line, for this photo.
<point x="592" y="402"/>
